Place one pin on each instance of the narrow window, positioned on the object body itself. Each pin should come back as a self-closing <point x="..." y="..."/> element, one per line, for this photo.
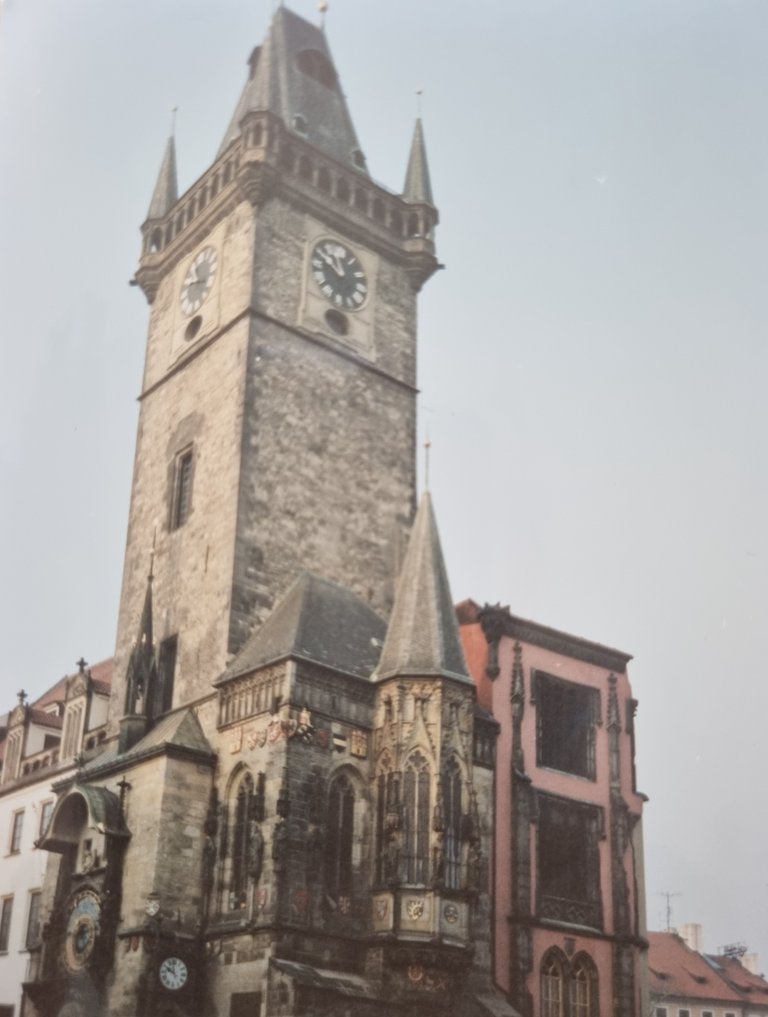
<point x="182" y="490"/>
<point x="583" y="988"/>
<point x="166" y="673"/>
<point x="452" y="812"/>
<point x="338" y="850"/>
<point x="661" y="1011"/>
<point x="240" y="841"/>
<point x="245" y="1004"/>
<point x="46" y="811"/>
<point x="17" y="827"/>
<point x="415" y="867"/>
<point x="569" y="861"/>
<point x="551" y="987"/>
<point x="5" y="923"/>
<point x="33" y="919"/>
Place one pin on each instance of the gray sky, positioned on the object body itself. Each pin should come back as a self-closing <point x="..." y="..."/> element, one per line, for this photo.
<point x="592" y="360"/>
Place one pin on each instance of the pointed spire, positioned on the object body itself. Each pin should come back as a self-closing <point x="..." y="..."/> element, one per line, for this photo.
<point x="293" y="77"/>
<point x="166" y="189"/>
<point x="417" y="188"/>
<point x="423" y="635"/>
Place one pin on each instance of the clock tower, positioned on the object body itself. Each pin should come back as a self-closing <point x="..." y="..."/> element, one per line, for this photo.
<point x="278" y="404"/>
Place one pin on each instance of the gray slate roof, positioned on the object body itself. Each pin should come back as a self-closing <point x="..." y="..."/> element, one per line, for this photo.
<point x="180" y="728"/>
<point x="319" y="621"/>
<point x="166" y="189"/>
<point x="417" y="187"/>
<point x="278" y="84"/>
<point x="423" y="634"/>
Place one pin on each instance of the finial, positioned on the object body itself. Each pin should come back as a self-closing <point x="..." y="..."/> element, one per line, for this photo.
<point x="427" y="447"/>
<point x="419" y="93"/>
<point x="323" y="8"/>
<point x="174" y="111"/>
<point x="22" y="696"/>
<point x="82" y="664"/>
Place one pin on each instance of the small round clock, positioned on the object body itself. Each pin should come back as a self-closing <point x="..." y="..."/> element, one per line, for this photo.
<point x="82" y="930"/>
<point x="198" y="281"/>
<point x="173" y="973"/>
<point x="339" y="275"/>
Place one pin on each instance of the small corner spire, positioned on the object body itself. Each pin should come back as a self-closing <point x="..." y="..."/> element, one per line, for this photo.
<point x="166" y="190"/>
<point x="418" y="188"/>
<point x="427" y="447"/>
<point x="323" y="9"/>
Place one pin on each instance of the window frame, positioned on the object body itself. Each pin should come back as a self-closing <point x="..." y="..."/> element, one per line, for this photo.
<point x="557" y="874"/>
<point x="6" y="918"/>
<point x="34" y="914"/>
<point x="557" y="705"/>
<point x="181" y="494"/>
<point x="46" y="815"/>
<point x="339" y="847"/>
<point x="16" y="833"/>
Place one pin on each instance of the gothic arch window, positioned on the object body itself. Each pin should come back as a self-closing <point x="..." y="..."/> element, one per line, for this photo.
<point x="387" y="821"/>
<point x="553" y="968"/>
<point x="583" y="987"/>
<point x="415" y="861"/>
<point x="451" y="790"/>
<point x="242" y="845"/>
<point x="340" y="838"/>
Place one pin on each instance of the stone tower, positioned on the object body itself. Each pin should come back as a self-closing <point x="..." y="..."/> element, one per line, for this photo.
<point x="278" y="405"/>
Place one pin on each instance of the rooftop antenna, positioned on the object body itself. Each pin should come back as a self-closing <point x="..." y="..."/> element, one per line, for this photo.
<point x="323" y="8"/>
<point x="427" y="447"/>
<point x="668" y="895"/>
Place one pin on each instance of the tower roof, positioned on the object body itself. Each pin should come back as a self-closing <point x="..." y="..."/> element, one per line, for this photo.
<point x="423" y="634"/>
<point x="320" y="621"/>
<point x="417" y="187"/>
<point x="166" y="189"/>
<point x="292" y="75"/>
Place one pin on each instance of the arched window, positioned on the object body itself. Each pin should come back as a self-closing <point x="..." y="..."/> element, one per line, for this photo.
<point x="415" y="861"/>
<point x="243" y="804"/>
<point x="583" y="987"/>
<point x="552" y="985"/>
<point x="452" y="813"/>
<point x="338" y="845"/>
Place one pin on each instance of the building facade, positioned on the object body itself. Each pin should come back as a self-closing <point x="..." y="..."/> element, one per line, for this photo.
<point x="290" y="815"/>
<point x="301" y="806"/>
<point x="568" y="897"/>
<point x="40" y="743"/>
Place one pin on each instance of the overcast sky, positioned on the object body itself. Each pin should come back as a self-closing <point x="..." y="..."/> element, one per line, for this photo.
<point x="592" y="360"/>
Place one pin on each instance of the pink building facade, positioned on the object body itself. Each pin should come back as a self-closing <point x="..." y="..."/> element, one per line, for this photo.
<point x="569" y="936"/>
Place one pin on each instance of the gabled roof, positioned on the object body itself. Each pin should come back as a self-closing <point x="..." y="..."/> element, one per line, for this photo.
<point x="740" y="978"/>
<point x="318" y="621"/>
<point x="674" y="970"/>
<point x="423" y="636"/>
<point x="292" y="76"/>
<point x="418" y="188"/>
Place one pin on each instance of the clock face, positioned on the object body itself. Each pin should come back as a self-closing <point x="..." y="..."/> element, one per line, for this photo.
<point x="198" y="281"/>
<point x="173" y="973"/>
<point x="82" y="930"/>
<point x="339" y="275"/>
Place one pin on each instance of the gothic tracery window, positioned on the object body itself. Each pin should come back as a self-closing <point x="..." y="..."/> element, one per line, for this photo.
<point x="415" y="861"/>
<point x="552" y="984"/>
<point x="339" y="841"/>
<point x="452" y="817"/>
<point x="243" y="803"/>
<point x="583" y="987"/>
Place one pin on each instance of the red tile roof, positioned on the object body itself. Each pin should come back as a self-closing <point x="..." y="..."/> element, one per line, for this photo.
<point x="753" y="986"/>
<point x="45" y="719"/>
<point x="676" y="971"/>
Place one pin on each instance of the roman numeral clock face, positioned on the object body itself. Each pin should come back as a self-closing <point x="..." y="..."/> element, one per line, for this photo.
<point x="339" y="275"/>
<point x="198" y="281"/>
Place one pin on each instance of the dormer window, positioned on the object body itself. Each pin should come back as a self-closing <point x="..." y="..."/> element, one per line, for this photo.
<point x="317" y="66"/>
